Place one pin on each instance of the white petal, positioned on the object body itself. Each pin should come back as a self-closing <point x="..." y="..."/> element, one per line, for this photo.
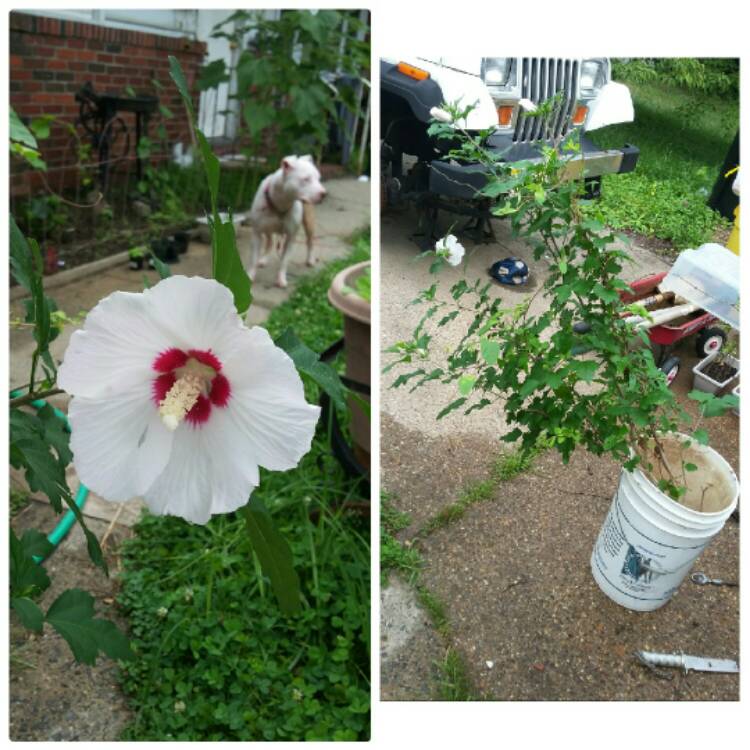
<point x="190" y="311"/>
<point x="209" y="472"/>
<point x="120" y="445"/>
<point x="267" y="406"/>
<point x="114" y="351"/>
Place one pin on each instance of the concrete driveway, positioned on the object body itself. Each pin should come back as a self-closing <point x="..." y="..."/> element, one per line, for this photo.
<point x="512" y="574"/>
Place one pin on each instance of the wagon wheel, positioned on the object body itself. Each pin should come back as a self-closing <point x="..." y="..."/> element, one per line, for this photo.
<point x="709" y="340"/>
<point x="670" y="368"/>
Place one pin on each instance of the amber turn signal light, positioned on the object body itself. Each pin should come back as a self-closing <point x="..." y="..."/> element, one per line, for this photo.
<point x="504" y="116"/>
<point x="580" y="114"/>
<point x="416" y="73"/>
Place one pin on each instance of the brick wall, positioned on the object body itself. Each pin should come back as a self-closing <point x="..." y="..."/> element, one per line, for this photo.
<point x="51" y="59"/>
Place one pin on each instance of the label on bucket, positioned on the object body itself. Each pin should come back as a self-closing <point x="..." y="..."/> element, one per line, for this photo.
<point x="632" y="566"/>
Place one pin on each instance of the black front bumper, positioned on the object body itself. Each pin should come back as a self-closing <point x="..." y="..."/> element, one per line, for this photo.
<point x="462" y="180"/>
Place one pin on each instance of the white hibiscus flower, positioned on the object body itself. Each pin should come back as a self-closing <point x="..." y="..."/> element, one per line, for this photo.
<point x="177" y="401"/>
<point x="450" y="249"/>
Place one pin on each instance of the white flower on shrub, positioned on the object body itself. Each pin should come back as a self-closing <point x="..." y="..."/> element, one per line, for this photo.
<point x="450" y="249"/>
<point x="440" y="115"/>
<point x="177" y="401"/>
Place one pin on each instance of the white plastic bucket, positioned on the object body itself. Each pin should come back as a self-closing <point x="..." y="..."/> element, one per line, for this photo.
<point x="649" y="542"/>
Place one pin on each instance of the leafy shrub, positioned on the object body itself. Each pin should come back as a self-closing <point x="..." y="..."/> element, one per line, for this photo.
<point x="714" y="75"/>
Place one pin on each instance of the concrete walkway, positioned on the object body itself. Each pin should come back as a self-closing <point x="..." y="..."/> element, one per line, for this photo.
<point x="512" y="573"/>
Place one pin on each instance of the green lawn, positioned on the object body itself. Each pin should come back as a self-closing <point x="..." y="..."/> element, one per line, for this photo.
<point x="683" y="137"/>
<point x="216" y="660"/>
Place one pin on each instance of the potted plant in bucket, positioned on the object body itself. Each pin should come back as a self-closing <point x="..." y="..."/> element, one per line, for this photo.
<point x="599" y="390"/>
<point x="350" y="292"/>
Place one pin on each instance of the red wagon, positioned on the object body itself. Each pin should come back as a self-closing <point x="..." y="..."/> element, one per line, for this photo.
<point x="663" y="337"/>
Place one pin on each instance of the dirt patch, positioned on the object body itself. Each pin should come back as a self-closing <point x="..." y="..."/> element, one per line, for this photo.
<point x="51" y="696"/>
<point x="719" y="371"/>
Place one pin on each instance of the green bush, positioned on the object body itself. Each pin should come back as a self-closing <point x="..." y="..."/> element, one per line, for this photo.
<point x="683" y="137"/>
<point x="216" y="658"/>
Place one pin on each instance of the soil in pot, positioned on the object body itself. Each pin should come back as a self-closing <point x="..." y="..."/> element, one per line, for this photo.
<point x="719" y="371"/>
<point x="708" y="489"/>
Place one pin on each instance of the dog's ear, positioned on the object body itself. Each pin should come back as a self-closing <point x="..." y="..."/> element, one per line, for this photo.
<point x="307" y="157"/>
<point x="286" y="164"/>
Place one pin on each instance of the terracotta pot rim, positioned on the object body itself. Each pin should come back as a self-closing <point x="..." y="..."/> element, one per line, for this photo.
<point x="352" y="305"/>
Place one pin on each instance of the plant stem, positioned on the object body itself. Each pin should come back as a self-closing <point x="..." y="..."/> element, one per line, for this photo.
<point x="29" y="397"/>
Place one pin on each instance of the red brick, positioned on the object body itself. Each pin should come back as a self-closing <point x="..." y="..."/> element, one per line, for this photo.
<point x="76" y="43"/>
<point x="56" y="64"/>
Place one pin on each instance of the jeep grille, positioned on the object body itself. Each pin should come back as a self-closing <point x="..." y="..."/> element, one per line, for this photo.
<point x="542" y="78"/>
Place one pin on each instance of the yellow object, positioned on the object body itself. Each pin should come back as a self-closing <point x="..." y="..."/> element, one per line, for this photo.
<point x="733" y="243"/>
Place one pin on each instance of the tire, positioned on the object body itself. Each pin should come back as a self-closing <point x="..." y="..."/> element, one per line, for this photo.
<point x="709" y="340"/>
<point x="670" y="367"/>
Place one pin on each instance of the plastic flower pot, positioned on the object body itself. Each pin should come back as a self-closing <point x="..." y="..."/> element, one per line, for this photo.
<point x="165" y="250"/>
<point x="180" y="240"/>
<point x="702" y="372"/>
<point x="136" y="264"/>
<point x="648" y="542"/>
<point x="356" y="311"/>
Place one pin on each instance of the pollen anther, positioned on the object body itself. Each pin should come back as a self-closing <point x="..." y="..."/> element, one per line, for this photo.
<point x="180" y="399"/>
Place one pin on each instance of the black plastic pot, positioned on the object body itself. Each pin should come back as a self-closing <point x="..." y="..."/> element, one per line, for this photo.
<point x="136" y="264"/>
<point x="165" y="250"/>
<point x="180" y="241"/>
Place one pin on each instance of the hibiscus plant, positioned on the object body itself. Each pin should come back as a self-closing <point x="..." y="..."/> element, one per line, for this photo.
<point x="174" y="400"/>
<point x="598" y="388"/>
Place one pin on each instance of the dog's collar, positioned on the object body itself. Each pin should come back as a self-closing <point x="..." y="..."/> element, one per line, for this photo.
<point x="272" y="205"/>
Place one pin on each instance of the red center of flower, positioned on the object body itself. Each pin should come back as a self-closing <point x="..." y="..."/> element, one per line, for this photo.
<point x="171" y="364"/>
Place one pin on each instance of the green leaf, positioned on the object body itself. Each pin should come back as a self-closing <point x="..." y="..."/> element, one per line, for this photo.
<point x="227" y="264"/>
<point x="21" y="259"/>
<point x="701" y="436"/>
<point x="29" y="613"/>
<point x="490" y="350"/>
<point x="72" y="616"/>
<point x="29" y="450"/>
<point x="35" y="544"/>
<point x="274" y="555"/>
<point x="161" y="267"/>
<point x="213" y="74"/>
<point x="213" y="169"/>
<point x="451" y="407"/>
<point x="466" y="383"/>
<point x="175" y="72"/>
<point x="258" y="117"/>
<point x="690" y="467"/>
<point x="26" y="577"/>
<point x="165" y="111"/>
<point x="604" y="294"/>
<point x="712" y="405"/>
<point x="19" y="132"/>
<point x="584" y="368"/>
<point x="308" y="362"/>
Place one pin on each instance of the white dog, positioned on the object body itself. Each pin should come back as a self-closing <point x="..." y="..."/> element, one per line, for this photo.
<point x="282" y="203"/>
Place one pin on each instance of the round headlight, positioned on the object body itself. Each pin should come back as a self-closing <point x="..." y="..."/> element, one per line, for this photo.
<point x="496" y="70"/>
